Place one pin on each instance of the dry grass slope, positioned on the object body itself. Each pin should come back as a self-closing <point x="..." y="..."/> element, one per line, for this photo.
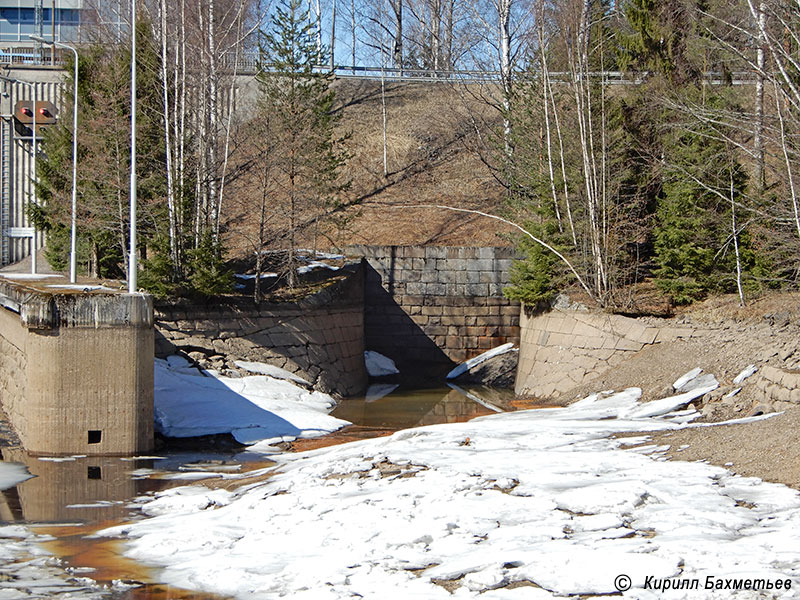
<point x="437" y="138"/>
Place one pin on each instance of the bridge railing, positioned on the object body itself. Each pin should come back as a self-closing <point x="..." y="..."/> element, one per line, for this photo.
<point x="250" y="62"/>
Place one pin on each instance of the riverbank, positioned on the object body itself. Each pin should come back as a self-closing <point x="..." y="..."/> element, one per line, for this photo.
<point x="766" y="333"/>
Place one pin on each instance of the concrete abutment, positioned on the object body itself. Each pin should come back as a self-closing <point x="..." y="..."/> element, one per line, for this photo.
<point x="76" y="369"/>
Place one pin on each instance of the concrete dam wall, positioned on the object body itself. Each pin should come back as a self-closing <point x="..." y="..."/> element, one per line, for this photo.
<point x="76" y="370"/>
<point x="320" y="337"/>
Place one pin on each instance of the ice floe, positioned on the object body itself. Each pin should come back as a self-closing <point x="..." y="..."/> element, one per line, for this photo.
<point x="547" y="497"/>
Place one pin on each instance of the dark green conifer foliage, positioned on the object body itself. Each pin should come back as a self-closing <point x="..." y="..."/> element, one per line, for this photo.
<point x="208" y="275"/>
<point x="694" y="238"/>
<point x="534" y="279"/>
<point x="657" y="39"/>
<point x="103" y="159"/>
<point x="308" y="155"/>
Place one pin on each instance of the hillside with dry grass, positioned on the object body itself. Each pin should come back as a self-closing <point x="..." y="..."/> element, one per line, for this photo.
<point x="439" y="139"/>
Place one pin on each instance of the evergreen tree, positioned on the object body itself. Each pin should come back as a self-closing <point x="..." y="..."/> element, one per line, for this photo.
<point x="307" y="153"/>
<point x="694" y="245"/>
<point x="527" y="176"/>
<point x="103" y="159"/>
<point x="660" y="31"/>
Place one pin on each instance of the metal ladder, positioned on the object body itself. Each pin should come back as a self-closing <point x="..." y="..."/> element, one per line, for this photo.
<point x="5" y="188"/>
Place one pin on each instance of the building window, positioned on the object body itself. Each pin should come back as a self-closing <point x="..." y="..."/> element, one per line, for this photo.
<point x="95" y="436"/>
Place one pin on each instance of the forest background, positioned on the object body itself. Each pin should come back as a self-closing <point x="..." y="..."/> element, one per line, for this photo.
<point x="633" y="142"/>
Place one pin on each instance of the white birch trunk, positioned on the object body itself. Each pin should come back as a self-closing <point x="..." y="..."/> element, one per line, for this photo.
<point x="333" y="35"/>
<point x="787" y="162"/>
<point x="504" y="34"/>
<point x="546" y="99"/>
<point x="735" y="235"/>
<point x="213" y="113"/>
<point x="173" y="234"/>
<point x="758" y="134"/>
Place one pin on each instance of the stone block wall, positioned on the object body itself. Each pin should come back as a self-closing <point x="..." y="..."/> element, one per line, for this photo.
<point x="560" y="349"/>
<point x="777" y="385"/>
<point x="320" y="338"/>
<point x="431" y="307"/>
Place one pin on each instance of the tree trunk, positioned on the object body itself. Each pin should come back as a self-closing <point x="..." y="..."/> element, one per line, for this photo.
<point x="173" y="230"/>
<point x="397" y="46"/>
<point x="333" y="35"/>
<point x="758" y="134"/>
<point x="546" y="103"/>
<point x="504" y="30"/>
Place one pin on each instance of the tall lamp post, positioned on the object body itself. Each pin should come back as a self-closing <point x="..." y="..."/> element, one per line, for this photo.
<point x="73" y="257"/>
<point x="33" y="160"/>
<point x="132" y="262"/>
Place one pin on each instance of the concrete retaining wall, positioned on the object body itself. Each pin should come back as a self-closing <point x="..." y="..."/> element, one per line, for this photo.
<point x="560" y="349"/>
<point x="76" y="370"/>
<point x="320" y="338"/>
<point x="92" y="489"/>
<point x="431" y="307"/>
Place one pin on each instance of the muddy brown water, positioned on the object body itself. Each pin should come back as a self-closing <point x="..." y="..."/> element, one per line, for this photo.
<point x="72" y="499"/>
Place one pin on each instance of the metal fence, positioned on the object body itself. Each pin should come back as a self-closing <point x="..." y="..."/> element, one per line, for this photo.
<point x="250" y="63"/>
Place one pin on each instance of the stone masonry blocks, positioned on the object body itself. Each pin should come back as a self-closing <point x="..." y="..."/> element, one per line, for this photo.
<point x="562" y="348"/>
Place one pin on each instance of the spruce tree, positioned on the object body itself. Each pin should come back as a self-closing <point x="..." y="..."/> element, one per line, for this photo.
<point x="693" y="237"/>
<point x="103" y="159"/>
<point x="308" y="154"/>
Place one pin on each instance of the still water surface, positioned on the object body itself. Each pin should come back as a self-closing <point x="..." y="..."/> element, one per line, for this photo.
<point x="69" y="499"/>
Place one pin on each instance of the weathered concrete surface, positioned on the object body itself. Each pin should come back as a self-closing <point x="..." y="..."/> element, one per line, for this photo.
<point x="76" y="370"/>
<point x="560" y="349"/>
<point x="498" y="371"/>
<point x="320" y="338"/>
<point x="52" y="494"/>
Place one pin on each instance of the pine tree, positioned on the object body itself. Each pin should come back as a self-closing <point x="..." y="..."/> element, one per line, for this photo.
<point x="307" y="153"/>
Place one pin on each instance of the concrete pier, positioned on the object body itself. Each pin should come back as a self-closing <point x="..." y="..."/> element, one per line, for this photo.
<point x="76" y="368"/>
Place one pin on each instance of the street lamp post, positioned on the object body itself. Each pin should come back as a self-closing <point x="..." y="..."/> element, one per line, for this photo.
<point x="73" y="257"/>
<point x="33" y="159"/>
<point x="132" y="262"/>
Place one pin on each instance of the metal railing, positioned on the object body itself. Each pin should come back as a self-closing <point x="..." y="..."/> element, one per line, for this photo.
<point x="250" y="63"/>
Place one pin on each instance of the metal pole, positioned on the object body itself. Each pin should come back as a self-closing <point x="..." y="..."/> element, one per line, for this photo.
<point x="35" y="179"/>
<point x="73" y="256"/>
<point x="53" y="34"/>
<point x="132" y="262"/>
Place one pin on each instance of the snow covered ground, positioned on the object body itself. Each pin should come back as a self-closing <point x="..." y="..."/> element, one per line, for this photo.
<point x="546" y="497"/>
<point x="257" y="408"/>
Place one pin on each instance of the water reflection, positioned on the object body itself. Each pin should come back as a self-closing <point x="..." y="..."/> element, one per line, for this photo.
<point x="70" y="498"/>
<point x="69" y="488"/>
<point x="95" y="489"/>
<point x="405" y="408"/>
<point x="93" y="492"/>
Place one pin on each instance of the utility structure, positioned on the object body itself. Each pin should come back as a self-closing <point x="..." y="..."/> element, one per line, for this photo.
<point x="28" y="102"/>
<point x="29" y="117"/>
